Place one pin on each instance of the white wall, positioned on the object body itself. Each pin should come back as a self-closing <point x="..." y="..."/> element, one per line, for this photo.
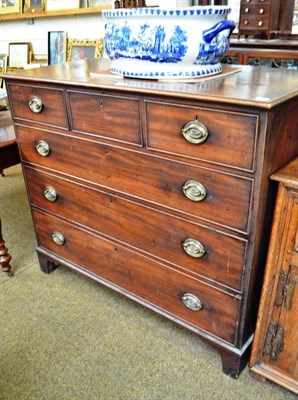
<point x="88" y="26"/>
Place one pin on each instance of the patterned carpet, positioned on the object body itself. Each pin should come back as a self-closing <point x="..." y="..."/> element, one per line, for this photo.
<point x="64" y="337"/>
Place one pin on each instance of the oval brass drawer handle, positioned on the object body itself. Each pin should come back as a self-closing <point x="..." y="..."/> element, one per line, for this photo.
<point x="50" y="193"/>
<point x="58" y="238"/>
<point x="194" y="190"/>
<point x="35" y="104"/>
<point x="43" y="148"/>
<point x="193" y="248"/>
<point x="192" y="302"/>
<point x="195" y="132"/>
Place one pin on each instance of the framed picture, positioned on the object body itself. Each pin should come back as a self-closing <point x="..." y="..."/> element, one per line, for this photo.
<point x="18" y="55"/>
<point x="81" y="49"/>
<point x="57" y="47"/>
<point x="99" y="3"/>
<point x="62" y="4"/>
<point x="3" y="66"/>
<point x="32" y="6"/>
<point x="10" y="6"/>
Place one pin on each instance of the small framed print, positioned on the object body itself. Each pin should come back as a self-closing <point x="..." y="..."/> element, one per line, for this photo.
<point x="3" y="66"/>
<point x="81" y="49"/>
<point x="18" y="55"/>
<point x="57" y="47"/>
<point x="32" y="6"/>
<point x="99" y="3"/>
<point x="52" y="5"/>
<point x="10" y="6"/>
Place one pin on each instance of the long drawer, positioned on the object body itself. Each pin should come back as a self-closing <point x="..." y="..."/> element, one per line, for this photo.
<point x="164" y="182"/>
<point x="216" y="311"/>
<point x="227" y="138"/>
<point x="48" y="103"/>
<point x="195" y="249"/>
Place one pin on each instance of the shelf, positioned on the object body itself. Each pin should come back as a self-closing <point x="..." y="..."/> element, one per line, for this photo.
<point x="55" y="13"/>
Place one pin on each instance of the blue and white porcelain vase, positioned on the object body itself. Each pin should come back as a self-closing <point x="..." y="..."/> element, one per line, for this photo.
<point x="157" y="43"/>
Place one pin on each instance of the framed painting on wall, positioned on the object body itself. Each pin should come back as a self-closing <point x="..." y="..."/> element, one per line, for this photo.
<point x="32" y="6"/>
<point x="18" y="55"/>
<point x="52" y="5"/>
<point x="81" y="49"/>
<point x="10" y="6"/>
<point x="57" y="47"/>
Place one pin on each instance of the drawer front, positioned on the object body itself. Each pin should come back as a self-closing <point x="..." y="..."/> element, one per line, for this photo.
<point x="255" y="10"/>
<point x="221" y="257"/>
<point x="113" y="117"/>
<point x="254" y="23"/>
<point x="231" y="136"/>
<point x="51" y="111"/>
<point x="227" y="201"/>
<point x="144" y="278"/>
<point x="259" y="2"/>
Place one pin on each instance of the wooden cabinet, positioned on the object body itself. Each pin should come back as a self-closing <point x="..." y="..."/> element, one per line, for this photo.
<point x="266" y="18"/>
<point x="158" y="190"/>
<point x="275" y="350"/>
<point x="274" y="53"/>
<point x="258" y="16"/>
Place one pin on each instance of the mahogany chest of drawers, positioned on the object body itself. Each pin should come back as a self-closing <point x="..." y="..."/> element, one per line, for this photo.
<point x="259" y="16"/>
<point x="159" y="190"/>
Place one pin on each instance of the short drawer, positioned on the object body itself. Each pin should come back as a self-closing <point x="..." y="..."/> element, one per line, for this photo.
<point x="215" y="256"/>
<point x="112" y="117"/>
<point x="38" y="104"/>
<point x="255" y="10"/>
<point x="142" y="277"/>
<point x="259" y="2"/>
<point x="167" y="183"/>
<point x="231" y="136"/>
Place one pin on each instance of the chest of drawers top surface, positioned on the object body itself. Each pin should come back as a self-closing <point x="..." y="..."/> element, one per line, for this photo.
<point x="259" y="87"/>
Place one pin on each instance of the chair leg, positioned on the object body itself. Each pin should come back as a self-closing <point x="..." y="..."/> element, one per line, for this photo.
<point x="5" y="258"/>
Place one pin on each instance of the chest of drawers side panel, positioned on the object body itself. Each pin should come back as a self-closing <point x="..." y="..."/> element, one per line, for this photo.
<point x="280" y="146"/>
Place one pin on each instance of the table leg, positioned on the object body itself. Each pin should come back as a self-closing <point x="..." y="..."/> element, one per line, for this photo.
<point x="5" y="258"/>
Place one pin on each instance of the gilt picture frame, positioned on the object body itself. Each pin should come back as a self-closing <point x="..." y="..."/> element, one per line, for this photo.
<point x="3" y="66"/>
<point x="11" y="6"/>
<point x="85" y="48"/>
<point x="33" y="6"/>
<point x="57" y="47"/>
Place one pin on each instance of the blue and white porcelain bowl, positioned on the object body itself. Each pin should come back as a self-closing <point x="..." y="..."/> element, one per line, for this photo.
<point x="157" y="43"/>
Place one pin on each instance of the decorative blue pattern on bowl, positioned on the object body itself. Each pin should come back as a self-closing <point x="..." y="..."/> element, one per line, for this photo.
<point x="156" y="11"/>
<point x="156" y="43"/>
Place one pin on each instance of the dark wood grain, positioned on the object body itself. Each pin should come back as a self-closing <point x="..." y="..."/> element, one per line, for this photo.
<point x="114" y="117"/>
<point x="282" y="257"/>
<point x="119" y="181"/>
<point x="141" y="276"/>
<point x="125" y="220"/>
<point x="53" y="110"/>
<point x="141" y="175"/>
